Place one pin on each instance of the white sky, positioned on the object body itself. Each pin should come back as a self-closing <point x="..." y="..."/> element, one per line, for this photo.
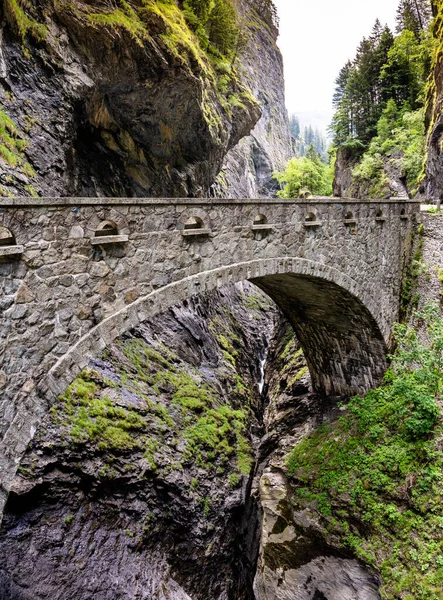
<point x="317" y="37"/>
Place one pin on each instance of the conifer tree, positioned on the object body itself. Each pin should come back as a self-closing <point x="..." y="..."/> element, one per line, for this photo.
<point x="413" y="15"/>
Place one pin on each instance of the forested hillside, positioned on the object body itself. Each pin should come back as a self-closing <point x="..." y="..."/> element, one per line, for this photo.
<point x="379" y="126"/>
<point x="382" y="123"/>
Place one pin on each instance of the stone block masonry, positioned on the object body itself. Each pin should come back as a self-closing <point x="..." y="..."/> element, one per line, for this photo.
<point x="75" y="273"/>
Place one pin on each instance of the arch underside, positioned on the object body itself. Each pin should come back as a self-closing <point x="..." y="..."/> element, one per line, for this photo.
<point x="341" y="340"/>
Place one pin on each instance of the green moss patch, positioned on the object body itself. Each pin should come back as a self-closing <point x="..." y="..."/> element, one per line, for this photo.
<point x="90" y="417"/>
<point x="177" y="405"/>
<point x="17" y="13"/>
<point x="13" y="146"/>
<point x="375" y="476"/>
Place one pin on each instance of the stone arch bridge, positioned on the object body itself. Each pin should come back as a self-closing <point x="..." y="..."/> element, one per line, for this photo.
<point x="75" y="273"/>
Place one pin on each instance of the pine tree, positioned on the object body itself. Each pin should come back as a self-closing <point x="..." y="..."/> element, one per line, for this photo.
<point x="360" y="90"/>
<point x="413" y="15"/>
<point x="294" y="126"/>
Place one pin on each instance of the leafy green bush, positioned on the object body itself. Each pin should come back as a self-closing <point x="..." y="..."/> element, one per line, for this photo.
<point x="401" y="132"/>
<point x="308" y="174"/>
<point x="375" y="476"/>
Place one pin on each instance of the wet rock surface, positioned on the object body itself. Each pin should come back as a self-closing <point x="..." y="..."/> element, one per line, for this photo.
<point x="296" y="561"/>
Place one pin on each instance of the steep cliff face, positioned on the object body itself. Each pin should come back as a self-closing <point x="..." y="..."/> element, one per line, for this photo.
<point x="113" y="98"/>
<point x="392" y="184"/>
<point x="248" y="167"/>
<point x="434" y="113"/>
<point x="138" y="483"/>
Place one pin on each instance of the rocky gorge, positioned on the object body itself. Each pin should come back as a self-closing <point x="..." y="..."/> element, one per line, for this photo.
<point x="159" y="473"/>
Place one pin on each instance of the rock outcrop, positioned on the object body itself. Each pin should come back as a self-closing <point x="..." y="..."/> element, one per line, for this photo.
<point x="248" y="168"/>
<point x="138" y="483"/>
<point x="434" y="113"/>
<point x="345" y="184"/>
<point x="113" y="99"/>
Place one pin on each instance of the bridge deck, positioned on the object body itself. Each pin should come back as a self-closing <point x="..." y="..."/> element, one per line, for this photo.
<point x="30" y="202"/>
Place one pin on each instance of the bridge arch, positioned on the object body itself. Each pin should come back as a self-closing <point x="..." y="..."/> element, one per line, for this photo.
<point x="335" y="319"/>
<point x="332" y="315"/>
<point x="69" y="294"/>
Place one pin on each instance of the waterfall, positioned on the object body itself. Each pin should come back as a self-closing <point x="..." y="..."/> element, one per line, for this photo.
<point x="261" y="383"/>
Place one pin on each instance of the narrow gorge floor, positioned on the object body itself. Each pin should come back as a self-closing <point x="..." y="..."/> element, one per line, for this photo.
<point x="160" y="473"/>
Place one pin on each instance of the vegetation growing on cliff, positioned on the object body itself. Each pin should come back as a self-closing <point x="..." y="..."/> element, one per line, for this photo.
<point x="375" y="476"/>
<point x="379" y="98"/>
<point x="18" y="14"/>
<point x="12" y="151"/>
<point x="195" y="29"/>
<point x="175" y="404"/>
<point x="215" y="23"/>
<point x="400" y="138"/>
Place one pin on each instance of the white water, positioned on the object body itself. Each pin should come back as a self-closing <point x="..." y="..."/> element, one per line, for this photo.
<point x="261" y="383"/>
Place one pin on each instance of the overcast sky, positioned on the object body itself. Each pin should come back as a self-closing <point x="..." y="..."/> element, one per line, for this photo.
<point x="317" y="37"/>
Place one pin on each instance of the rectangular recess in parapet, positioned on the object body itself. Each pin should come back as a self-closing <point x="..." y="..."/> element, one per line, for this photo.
<point x="196" y="232"/>
<point x="312" y="223"/>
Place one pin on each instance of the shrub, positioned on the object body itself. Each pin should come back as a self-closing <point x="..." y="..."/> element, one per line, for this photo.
<point x="374" y="477"/>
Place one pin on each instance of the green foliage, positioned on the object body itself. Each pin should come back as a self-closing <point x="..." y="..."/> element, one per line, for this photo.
<point x="375" y="476"/>
<point x="406" y="69"/>
<point x="234" y="480"/>
<point x="257" y="302"/>
<point x="219" y="434"/>
<point x="414" y="15"/>
<point x="215" y="24"/>
<point x="124" y="17"/>
<point x="97" y="420"/>
<point x="308" y="174"/>
<point x="360" y="91"/>
<point x="12" y="149"/>
<point x="401" y="139"/>
<point x="16" y="13"/>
